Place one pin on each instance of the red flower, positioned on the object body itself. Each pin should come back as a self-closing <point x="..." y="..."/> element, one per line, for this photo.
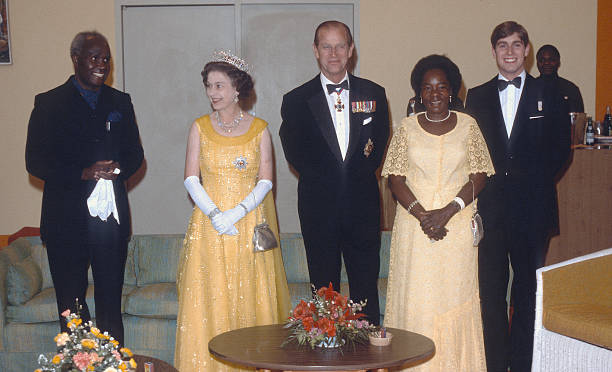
<point x="340" y="300"/>
<point x="302" y="310"/>
<point x="327" y="326"/>
<point x="308" y="323"/>
<point x="328" y="292"/>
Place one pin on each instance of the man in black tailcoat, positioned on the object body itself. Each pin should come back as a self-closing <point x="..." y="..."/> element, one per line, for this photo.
<point x="80" y="133"/>
<point x="528" y="136"/>
<point x="334" y="133"/>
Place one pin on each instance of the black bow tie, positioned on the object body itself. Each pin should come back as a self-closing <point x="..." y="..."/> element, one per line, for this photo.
<point x="337" y="87"/>
<point x="503" y="84"/>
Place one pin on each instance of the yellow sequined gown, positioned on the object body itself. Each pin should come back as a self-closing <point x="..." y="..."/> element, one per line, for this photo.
<point x="222" y="284"/>
<point x="433" y="287"/>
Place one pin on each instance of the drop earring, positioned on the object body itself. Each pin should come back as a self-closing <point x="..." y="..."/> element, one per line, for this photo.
<point x="421" y="100"/>
<point x="450" y="99"/>
<point x="236" y="98"/>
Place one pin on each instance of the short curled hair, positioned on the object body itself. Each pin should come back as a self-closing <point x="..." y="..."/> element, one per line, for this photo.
<point x="435" y="62"/>
<point x="548" y="48"/>
<point x="241" y="81"/>
<point x="76" y="46"/>
<point x="506" y="29"/>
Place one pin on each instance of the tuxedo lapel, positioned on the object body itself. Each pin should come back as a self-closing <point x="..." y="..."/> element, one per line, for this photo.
<point x="355" y="125"/>
<point x="519" y="123"/>
<point x="499" y="135"/>
<point x="320" y="110"/>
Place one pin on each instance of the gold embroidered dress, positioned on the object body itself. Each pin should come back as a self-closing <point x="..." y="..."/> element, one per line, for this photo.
<point x="433" y="287"/>
<point x="222" y="284"/>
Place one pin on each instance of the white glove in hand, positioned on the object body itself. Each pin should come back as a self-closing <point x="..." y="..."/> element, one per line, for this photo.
<point x="199" y="195"/>
<point x="224" y="221"/>
<point x="258" y="194"/>
<point x="202" y="200"/>
<point x="219" y="224"/>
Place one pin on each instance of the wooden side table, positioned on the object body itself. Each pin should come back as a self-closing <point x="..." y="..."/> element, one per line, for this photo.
<point x="259" y="347"/>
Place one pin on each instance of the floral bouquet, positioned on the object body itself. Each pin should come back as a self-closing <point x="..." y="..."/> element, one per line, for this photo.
<point x="86" y="349"/>
<point x="328" y="320"/>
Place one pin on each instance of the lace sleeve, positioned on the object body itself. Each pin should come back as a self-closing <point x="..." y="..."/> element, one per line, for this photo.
<point x="397" y="156"/>
<point x="478" y="152"/>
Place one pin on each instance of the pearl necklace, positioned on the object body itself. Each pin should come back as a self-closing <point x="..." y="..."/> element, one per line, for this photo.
<point x="437" y="121"/>
<point x="229" y="127"/>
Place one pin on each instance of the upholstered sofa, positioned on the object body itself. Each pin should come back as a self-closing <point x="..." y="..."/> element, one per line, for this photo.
<point x="573" y="327"/>
<point x="28" y="314"/>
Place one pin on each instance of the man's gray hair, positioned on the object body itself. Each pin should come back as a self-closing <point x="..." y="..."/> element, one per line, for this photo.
<point x="77" y="43"/>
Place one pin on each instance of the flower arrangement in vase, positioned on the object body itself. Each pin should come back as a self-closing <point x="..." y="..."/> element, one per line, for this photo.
<point x="86" y="348"/>
<point x="328" y="320"/>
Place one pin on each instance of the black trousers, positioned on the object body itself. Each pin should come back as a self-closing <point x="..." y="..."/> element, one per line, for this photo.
<point x="105" y="250"/>
<point x="360" y="248"/>
<point x="525" y="249"/>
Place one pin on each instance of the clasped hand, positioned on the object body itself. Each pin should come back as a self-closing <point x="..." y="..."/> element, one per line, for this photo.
<point x="102" y="169"/>
<point x="433" y="222"/>
<point x="224" y="221"/>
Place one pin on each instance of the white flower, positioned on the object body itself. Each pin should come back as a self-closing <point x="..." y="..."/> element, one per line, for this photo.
<point x="111" y="369"/>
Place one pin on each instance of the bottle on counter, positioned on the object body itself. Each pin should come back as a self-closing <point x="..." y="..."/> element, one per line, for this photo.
<point x="589" y="134"/>
<point x="607" y="123"/>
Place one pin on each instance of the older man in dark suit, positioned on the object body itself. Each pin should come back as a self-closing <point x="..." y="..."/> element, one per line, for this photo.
<point x="334" y="133"/>
<point x="529" y="140"/>
<point x="80" y="133"/>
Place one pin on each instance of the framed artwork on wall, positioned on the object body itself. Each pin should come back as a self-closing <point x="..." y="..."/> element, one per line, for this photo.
<point x="5" y="43"/>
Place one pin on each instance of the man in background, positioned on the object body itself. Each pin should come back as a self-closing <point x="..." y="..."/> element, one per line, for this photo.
<point x="549" y="60"/>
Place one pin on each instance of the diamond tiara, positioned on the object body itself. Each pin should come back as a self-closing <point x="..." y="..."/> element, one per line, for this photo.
<point x="228" y="57"/>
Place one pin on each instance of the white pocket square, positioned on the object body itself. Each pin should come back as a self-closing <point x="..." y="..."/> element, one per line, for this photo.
<point x="536" y="117"/>
<point x="367" y="121"/>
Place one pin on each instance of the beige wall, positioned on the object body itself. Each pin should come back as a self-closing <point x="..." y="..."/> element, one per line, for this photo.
<point x="394" y="35"/>
<point x="407" y="30"/>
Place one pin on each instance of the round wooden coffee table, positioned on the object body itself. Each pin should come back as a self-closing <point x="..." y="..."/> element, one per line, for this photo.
<point x="259" y="347"/>
<point x="158" y="365"/>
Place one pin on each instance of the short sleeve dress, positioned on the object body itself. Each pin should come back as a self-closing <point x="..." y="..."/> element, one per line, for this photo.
<point x="433" y="287"/>
<point x="222" y="284"/>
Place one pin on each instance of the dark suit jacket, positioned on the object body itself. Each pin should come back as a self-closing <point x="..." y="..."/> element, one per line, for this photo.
<point x="65" y="136"/>
<point x="525" y="164"/>
<point x="328" y="185"/>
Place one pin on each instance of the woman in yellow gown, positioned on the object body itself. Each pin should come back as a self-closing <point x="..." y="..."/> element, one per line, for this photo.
<point x="436" y="162"/>
<point x="222" y="284"/>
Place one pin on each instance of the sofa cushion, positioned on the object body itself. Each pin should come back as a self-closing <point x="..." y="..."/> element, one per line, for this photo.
<point x="43" y="306"/>
<point x="294" y="258"/>
<point x="24" y="280"/>
<point x="587" y="322"/>
<point x="156" y="258"/>
<point x="154" y="300"/>
<point x="39" y="254"/>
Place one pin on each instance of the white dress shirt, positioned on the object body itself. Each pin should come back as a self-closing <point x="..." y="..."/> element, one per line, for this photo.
<point x="509" y="99"/>
<point x="341" y="119"/>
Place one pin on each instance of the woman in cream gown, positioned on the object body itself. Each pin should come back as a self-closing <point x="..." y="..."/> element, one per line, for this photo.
<point x="433" y="279"/>
<point x="222" y="284"/>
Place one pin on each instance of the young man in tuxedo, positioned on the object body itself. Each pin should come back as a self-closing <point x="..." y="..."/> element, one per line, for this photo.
<point x="529" y="141"/>
<point x="81" y="132"/>
<point x="334" y="132"/>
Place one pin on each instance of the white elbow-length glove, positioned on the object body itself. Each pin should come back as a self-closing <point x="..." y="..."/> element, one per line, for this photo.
<point x="225" y="220"/>
<point x="203" y="201"/>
